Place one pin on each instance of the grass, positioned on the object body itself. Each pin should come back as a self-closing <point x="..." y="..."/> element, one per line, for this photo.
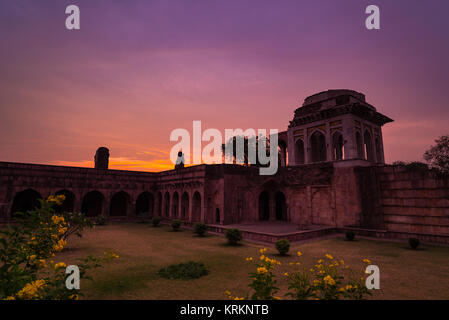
<point x="143" y="250"/>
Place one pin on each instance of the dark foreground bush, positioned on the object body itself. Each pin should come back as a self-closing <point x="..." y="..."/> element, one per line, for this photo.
<point x="156" y="221"/>
<point x="350" y="235"/>
<point x="101" y="220"/>
<point x="414" y="243"/>
<point x="200" y="229"/>
<point x="283" y="245"/>
<point x="176" y="224"/>
<point x="189" y="270"/>
<point x="234" y="236"/>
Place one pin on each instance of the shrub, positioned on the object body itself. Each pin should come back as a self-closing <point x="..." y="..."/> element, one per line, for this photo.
<point x="27" y="250"/>
<point x="176" y="224"/>
<point x="189" y="270"/>
<point x="234" y="236"/>
<point x="200" y="229"/>
<point x="155" y="221"/>
<point x="76" y="223"/>
<point x="283" y="245"/>
<point x="414" y="243"/>
<point x="417" y="166"/>
<point x="101" y="220"/>
<point x="329" y="279"/>
<point x="350" y="235"/>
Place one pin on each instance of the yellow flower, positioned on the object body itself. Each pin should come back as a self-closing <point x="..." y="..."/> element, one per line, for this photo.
<point x="263" y="250"/>
<point x="60" y="265"/>
<point x="368" y="261"/>
<point x="227" y="293"/>
<point x="237" y="298"/>
<point x="329" y="280"/>
<point x="32" y="257"/>
<point x="249" y="259"/>
<point x="329" y="256"/>
<point x="320" y="261"/>
<point x="276" y="298"/>
<point x="286" y="274"/>
<point x="10" y="298"/>
<point x="31" y="290"/>
<point x="299" y="253"/>
<point x="342" y="262"/>
<point x="262" y="257"/>
<point x="348" y="287"/>
<point x="262" y="270"/>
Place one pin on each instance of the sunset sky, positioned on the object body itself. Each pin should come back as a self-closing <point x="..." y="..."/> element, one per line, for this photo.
<point x="139" y="69"/>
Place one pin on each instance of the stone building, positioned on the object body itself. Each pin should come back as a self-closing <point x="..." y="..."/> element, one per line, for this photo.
<point x="332" y="178"/>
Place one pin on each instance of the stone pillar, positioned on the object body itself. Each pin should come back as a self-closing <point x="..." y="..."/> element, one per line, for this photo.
<point x="328" y="136"/>
<point x="382" y="154"/>
<point x="102" y="158"/>
<point x="349" y="141"/>
<point x="106" y="206"/>
<point x="190" y="209"/>
<point x="291" y="148"/>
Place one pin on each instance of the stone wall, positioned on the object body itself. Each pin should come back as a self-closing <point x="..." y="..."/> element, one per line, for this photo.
<point x="414" y="202"/>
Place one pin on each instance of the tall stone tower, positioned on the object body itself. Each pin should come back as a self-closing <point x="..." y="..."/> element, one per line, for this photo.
<point x="336" y="125"/>
<point x="102" y="158"/>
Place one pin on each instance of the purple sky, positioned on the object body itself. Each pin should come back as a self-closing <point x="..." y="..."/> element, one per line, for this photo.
<point x="139" y="69"/>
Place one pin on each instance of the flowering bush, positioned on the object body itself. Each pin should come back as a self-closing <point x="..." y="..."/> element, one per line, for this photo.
<point x="26" y="250"/>
<point x="328" y="279"/>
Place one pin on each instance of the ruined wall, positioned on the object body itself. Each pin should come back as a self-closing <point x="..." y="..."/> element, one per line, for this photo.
<point x="414" y="201"/>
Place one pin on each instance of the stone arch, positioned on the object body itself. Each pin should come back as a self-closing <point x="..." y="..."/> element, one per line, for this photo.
<point x="145" y="204"/>
<point x="25" y="200"/>
<point x="264" y="206"/>
<point x="159" y="204"/>
<point x="283" y="153"/>
<point x="337" y="146"/>
<point x="214" y="209"/>
<point x="196" y="207"/>
<point x="217" y="215"/>
<point x="120" y="203"/>
<point x="318" y="146"/>
<point x="69" y="203"/>
<point x="167" y="204"/>
<point x="280" y="206"/>
<point x="299" y="152"/>
<point x="359" y="143"/>
<point x="175" y="205"/>
<point x="368" y="146"/>
<point x="93" y="204"/>
<point x="185" y="205"/>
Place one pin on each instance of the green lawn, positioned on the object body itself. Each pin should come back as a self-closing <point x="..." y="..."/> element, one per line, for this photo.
<point x="143" y="250"/>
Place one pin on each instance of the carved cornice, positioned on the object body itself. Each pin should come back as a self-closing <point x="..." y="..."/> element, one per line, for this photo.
<point x="309" y="114"/>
